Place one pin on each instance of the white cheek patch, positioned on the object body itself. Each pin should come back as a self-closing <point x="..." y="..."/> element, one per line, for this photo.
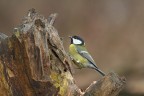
<point x="76" y="41"/>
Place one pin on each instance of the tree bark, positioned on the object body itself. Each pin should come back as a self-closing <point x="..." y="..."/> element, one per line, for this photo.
<point x="33" y="62"/>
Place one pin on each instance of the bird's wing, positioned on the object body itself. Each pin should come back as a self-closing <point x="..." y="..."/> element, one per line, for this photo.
<point x="83" y="52"/>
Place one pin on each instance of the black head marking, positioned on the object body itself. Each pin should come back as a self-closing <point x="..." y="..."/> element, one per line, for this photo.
<point x="77" y="38"/>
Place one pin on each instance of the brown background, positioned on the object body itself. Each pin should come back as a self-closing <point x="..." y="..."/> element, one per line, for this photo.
<point x="112" y="29"/>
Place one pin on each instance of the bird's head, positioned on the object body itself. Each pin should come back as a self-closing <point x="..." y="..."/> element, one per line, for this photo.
<point x="77" y="40"/>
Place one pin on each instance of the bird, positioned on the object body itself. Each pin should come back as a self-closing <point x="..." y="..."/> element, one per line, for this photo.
<point x="80" y="56"/>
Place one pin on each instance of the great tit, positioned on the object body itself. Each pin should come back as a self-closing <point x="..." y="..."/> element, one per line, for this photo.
<point x="80" y="55"/>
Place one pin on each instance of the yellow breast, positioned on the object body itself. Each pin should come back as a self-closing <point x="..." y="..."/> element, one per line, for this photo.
<point x="81" y="61"/>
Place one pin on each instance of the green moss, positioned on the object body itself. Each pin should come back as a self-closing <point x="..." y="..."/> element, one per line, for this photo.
<point x="4" y="84"/>
<point x="16" y="32"/>
<point x="60" y="81"/>
<point x="9" y="44"/>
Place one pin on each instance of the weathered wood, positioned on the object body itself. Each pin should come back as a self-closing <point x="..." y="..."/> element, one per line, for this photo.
<point x="109" y="85"/>
<point x="33" y="62"/>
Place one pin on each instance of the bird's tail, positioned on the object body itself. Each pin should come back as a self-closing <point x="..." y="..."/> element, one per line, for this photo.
<point x="101" y="72"/>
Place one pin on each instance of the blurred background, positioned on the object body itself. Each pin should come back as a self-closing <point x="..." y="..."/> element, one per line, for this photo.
<point x="112" y="29"/>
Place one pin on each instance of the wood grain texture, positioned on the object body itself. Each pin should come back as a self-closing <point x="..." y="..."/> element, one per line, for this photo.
<point x="110" y="85"/>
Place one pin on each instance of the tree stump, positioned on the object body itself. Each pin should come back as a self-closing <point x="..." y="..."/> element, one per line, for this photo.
<point x="33" y="62"/>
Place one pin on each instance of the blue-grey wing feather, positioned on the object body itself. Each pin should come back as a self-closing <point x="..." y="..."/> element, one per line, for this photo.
<point x="83" y="52"/>
<point x="86" y="55"/>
